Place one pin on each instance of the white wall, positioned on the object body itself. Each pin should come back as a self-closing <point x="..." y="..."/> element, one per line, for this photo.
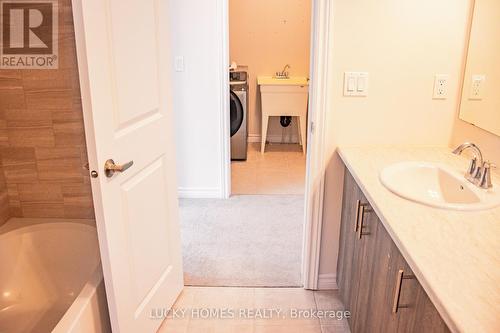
<point x="196" y="34"/>
<point x="402" y="44"/>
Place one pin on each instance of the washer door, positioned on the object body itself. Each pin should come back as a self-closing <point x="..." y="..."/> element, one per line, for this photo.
<point x="236" y="113"/>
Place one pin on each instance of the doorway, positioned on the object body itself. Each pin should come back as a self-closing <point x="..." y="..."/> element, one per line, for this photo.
<point x="259" y="228"/>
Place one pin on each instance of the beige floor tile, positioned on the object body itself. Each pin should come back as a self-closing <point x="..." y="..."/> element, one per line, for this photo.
<point x="224" y="297"/>
<point x="221" y="326"/>
<point x="279" y="182"/>
<point x="288" y="328"/>
<point x="343" y="327"/>
<point x="280" y="170"/>
<point x="285" y="299"/>
<point x="186" y="298"/>
<point x="202" y="305"/>
<point x="178" y="318"/>
<point x="278" y="147"/>
<point x="243" y="178"/>
<point x="329" y="300"/>
<point x="288" y="301"/>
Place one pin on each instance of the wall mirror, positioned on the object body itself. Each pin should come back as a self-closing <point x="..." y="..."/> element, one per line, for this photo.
<point x="480" y="104"/>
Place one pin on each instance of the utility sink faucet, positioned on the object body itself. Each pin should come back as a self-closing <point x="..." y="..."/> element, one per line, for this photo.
<point x="284" y="73"/>
<point x="479" y="171"/>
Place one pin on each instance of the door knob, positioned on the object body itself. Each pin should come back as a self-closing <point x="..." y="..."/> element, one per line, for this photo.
<point x="110" y="167"/>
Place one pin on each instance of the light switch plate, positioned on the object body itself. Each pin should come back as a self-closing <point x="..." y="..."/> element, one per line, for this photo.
<point x="441" y="86"/>
<point x="355" y="84"/>
<point x="179" y="64"/>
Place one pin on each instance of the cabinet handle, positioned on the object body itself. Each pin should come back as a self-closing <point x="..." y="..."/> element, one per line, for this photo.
<point x="361" y="221"/>
<point x="356" y="221"/>
<point x="360" y="210"/>
<point x="397" y="294"/>
<point x="360" y="218"/>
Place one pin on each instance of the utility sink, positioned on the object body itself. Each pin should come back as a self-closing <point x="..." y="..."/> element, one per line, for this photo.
<point x="290" y="81"/>
<point x="281" y="97"/>
<point x="437" y="185"/>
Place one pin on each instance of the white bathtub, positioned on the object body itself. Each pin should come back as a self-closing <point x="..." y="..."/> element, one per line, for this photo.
<point x="50" y="277"/>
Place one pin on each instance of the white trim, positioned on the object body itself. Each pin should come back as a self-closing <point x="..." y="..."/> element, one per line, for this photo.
<point x="275" y="138"/>
<point x="315" y="174"/>
<point x="199" y="193"/>
<point x="225" y="135"/>
<point x="327" y="282"/>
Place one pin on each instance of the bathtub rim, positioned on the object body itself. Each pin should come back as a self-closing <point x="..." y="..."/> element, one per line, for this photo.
<point x="19" y="225"/>
<point x="67" y="323"/>
<point x="16" y="225"/>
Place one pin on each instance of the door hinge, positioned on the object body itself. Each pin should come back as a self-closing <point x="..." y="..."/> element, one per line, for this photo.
<point x="312" y="127"/>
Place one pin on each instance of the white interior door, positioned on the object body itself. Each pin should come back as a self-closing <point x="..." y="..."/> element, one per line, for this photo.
<point x="124" y="75"/>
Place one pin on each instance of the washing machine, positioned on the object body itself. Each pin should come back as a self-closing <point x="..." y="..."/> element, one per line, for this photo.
<point x="238" y="81"/>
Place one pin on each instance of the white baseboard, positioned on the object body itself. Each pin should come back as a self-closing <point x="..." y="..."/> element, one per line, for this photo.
<point x="199" y="193"/>
<point x="275" y="138"/>
<point x="327" y="281"/>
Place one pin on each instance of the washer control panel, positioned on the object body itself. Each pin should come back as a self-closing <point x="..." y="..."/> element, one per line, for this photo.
<point x="238" y="76"/>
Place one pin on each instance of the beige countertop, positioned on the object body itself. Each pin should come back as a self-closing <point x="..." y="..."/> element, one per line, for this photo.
<point x="454" y="254"/>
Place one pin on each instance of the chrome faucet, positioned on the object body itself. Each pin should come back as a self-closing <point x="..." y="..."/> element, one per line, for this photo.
<point x="284" y="73"/>
<point x="485" y="180"/>
<point x="479" y="171"/>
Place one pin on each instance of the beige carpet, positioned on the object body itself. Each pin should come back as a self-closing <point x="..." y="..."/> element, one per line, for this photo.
<point x="247" y="240"/>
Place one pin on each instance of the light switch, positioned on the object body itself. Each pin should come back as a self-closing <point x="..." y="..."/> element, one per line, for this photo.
<point x="362" y="89"/>
<point x="351" y="85"/>
<point x="179" y="64"/>
<point x="361" y="84"/>
<point x="477" y="87"/>
<point x="355" y="83"/>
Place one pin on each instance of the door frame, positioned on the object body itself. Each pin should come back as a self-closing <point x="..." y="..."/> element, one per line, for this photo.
<point x="225" y="135"/>
<point x="321" y="18"/>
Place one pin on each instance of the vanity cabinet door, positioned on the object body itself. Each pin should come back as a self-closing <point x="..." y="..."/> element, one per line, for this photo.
<point x="412" y="309"/>
<point x="349" y="248"/>
<point x="378" y="305"/>
<point x="427" y="318"/>
<point x="366" y="240"/>
<point x="403" y="289"/>
<point x="375" y="282"/>
<point x="396" y="302"/>
<point x="356" y="253"/>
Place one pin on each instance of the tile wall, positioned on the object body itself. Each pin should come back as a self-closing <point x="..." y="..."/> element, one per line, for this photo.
<point x="4" y="201"/>
<point x="42" y="140"/>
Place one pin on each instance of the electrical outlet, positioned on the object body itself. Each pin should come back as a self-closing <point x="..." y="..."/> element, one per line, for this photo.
<point x="477" y="86"/>
<point x="441" y="86"/>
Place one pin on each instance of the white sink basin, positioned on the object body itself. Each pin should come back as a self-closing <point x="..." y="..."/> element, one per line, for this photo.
<point x="437" y="185"/>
